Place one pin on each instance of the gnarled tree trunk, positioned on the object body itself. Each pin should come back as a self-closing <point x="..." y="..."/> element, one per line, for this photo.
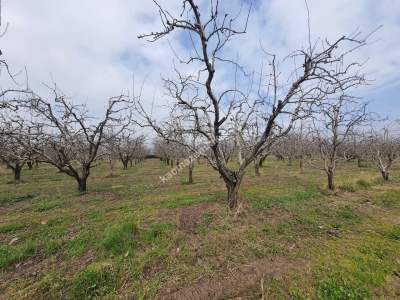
<point x="233" y="192"/>
<point x="232" y="182"/>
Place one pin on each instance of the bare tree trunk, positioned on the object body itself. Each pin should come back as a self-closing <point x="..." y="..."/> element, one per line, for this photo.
<point x="17" y="171"/>
<point x="82" y="184"/>
<point x="359" y="160"/>
<point x="331" y="180"/>
<point x="385" y="175"/>
<point x="290" y="161"/>
<point x="30" y="165"/>
<point x="233" y="191"/>
<point x="262" y="161"/>
<point x="125" y="164"/>
<point x="233" y="182"/>
<point x="191" y="165"/>
<point x="301" y="164"/>
<point x="111" y="166"/>
<point x="257" y="167"/>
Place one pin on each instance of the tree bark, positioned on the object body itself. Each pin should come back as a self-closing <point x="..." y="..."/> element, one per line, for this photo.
<point x="125" y="164"/>
<point x="262" y="161"/>
<point x="190" y="173"/>
<point x="385" y="175"/>
<point x="82" y="184"/>
<point x="17" y="172"/>
<point x="331" y="180"/>
<point x="257" y="167"/>
<point x="233" y="191"/>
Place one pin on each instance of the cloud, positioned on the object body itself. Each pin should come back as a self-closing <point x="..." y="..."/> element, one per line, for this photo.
<point x="90" y="48"/>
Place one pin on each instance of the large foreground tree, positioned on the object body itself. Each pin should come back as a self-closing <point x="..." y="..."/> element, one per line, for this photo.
<point x="214" y="111"/>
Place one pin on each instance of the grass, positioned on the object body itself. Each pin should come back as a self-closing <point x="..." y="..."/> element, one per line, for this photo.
<point x="131" y="237"/>
<point x="11" y="227"/>
<point x="7" y="199"/>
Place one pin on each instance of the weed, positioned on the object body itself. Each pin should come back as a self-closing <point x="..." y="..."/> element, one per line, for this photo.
<point x="121" y="239"/>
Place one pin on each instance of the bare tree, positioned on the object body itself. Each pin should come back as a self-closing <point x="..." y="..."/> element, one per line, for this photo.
<point x="385" y="147"/>
<point x="70" y="137"/>
<point x="334" y="123"/>
<point x="129" y="147"/>
<point x="12" y="152"/>
<point x="214" y="113"/>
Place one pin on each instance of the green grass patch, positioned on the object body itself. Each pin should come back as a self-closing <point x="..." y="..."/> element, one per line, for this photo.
<point x="96" y="280"/>
<point x="11" y="227"/>
<point x="7" y="199"/>
<point x="186" y="201"/>
<point x="363" y="183"/>
<point x="121" y="239"/>
<point x="268" y="202"/>
<point x="10" y="254"/>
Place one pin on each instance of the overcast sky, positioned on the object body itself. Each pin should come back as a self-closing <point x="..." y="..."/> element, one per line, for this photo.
<point x="90" y="47"/>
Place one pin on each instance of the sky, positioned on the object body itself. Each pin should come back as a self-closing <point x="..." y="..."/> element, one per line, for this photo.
<point x="91" y="50"/>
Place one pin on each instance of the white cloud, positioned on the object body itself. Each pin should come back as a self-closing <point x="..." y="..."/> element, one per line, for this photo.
<point x="90" y="47"/>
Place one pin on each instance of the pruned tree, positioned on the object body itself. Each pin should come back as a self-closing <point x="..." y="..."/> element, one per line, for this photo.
<point x="70" y="137"/>
<point x="18" y="143"/>
<point x="334" y="122"/>
<point x="212" y="112"/>
<point x="356" y="148"/>
<point x="129" y="146"/>
<point x="384" y="147"/>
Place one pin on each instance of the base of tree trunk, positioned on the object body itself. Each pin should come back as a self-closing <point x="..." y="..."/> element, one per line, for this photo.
<point x="17" y="173"/>
<point x="82" y="186"/>
<point x="331" y="182"/>
<point x="385" y="175"/>
<point x="233" y="193"/>
<point x="257" y="169"/>
<point x="190" y="175"/>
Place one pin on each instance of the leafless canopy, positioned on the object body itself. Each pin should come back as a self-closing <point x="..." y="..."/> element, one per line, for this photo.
<point x="70" y="138"/>
<point x="275" y="104"/>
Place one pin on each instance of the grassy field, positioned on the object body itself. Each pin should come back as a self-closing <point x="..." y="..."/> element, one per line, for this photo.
<point x="130" y="237"/>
